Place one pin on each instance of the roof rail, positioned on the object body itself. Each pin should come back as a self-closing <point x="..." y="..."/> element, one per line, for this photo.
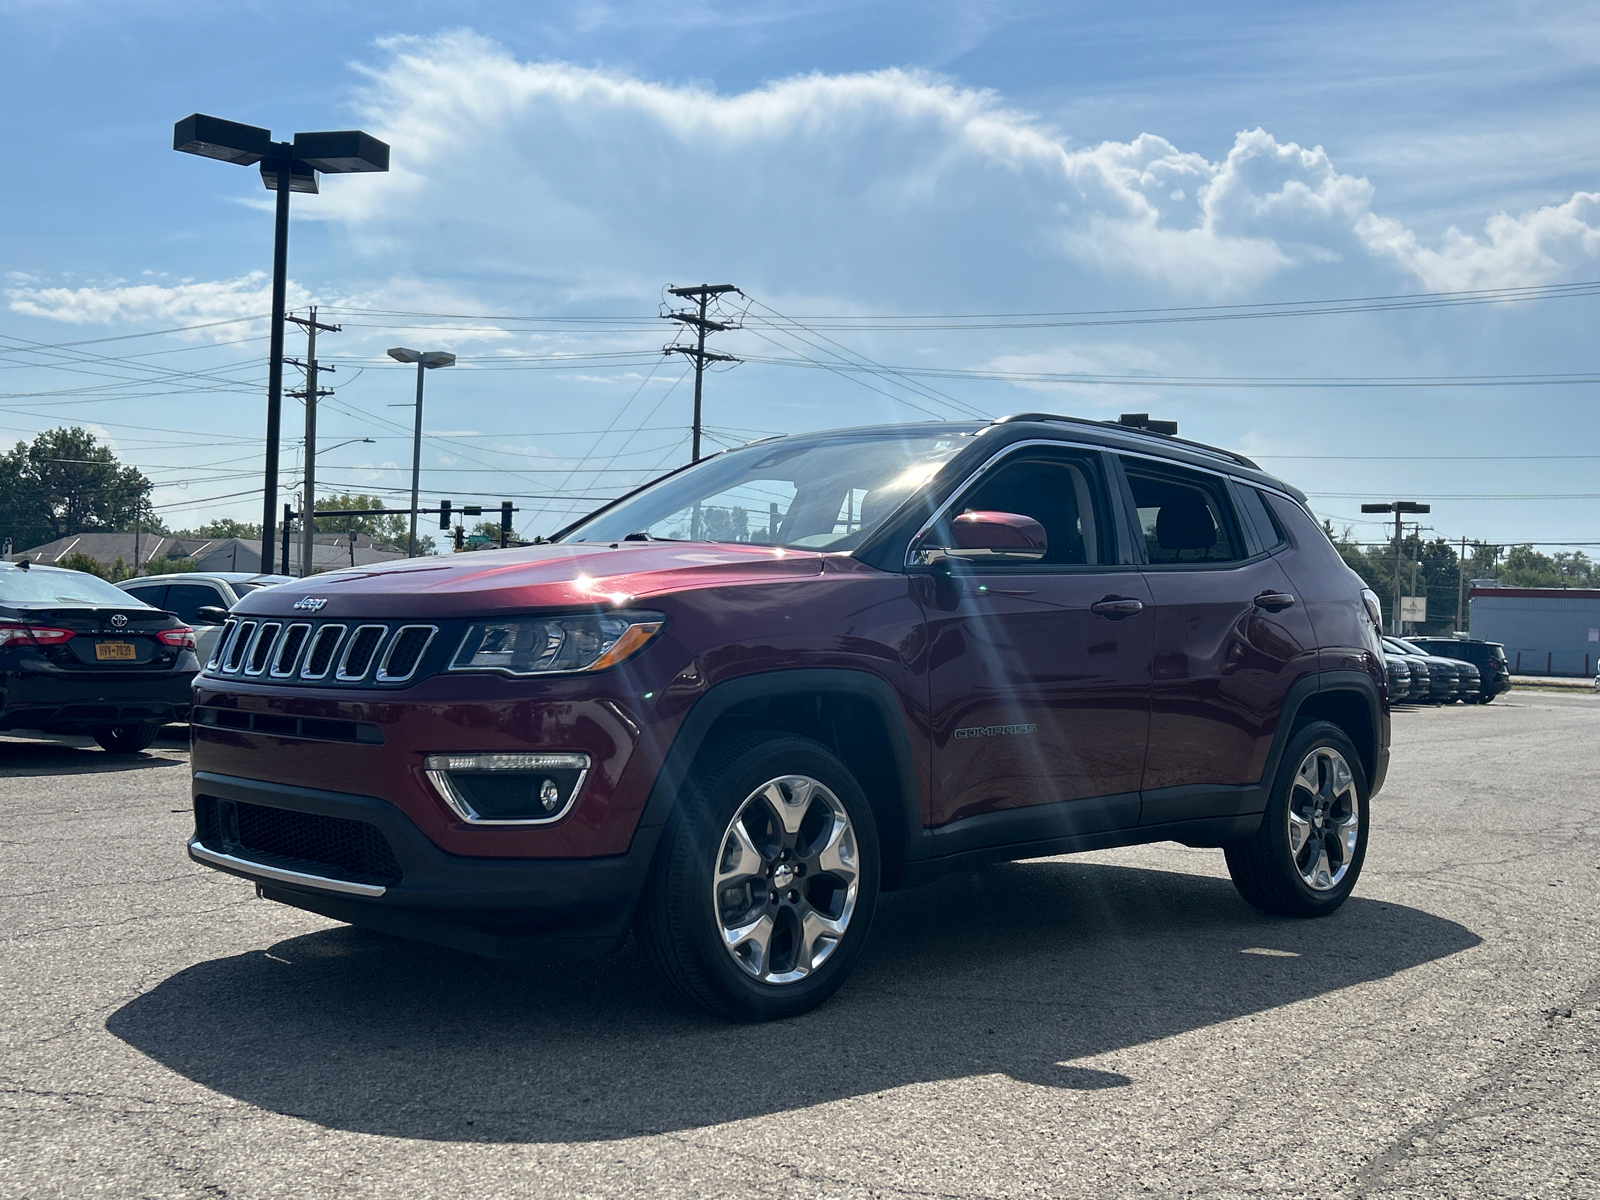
<point x="1143" y="427"/>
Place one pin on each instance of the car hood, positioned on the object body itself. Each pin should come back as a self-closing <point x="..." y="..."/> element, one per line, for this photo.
<point x="576" y="575"/>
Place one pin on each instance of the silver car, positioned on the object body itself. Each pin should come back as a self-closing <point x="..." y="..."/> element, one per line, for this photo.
<point x="185" y="595"/>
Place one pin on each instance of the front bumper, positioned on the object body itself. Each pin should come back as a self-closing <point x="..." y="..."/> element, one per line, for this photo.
<point x="67" y="701"/>
<point x="498" y="907"/>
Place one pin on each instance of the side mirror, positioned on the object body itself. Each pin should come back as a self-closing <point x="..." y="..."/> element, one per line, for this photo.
<point x="211" y="615"/>
<point x="991" y="537"/>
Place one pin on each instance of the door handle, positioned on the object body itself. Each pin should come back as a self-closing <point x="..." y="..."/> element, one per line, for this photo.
<point x="1116" y="608"/>
<point x="1274" y="601"/>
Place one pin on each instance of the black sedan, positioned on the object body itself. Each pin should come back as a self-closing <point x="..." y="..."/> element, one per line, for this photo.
<point x="78" y="655"/>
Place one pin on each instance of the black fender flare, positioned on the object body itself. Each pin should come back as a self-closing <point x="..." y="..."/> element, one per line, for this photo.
<point x="721" y="698"/>
<point x="1321" y="683"/>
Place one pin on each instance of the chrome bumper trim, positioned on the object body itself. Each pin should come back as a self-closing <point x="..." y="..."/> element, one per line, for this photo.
<point x="279" y="875"/>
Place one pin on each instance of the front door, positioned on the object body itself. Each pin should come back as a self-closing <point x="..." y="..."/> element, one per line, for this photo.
<point x="1039" y="674"/>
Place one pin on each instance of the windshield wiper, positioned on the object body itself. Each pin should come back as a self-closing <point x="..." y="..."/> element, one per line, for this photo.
<point x="642" y="536"/>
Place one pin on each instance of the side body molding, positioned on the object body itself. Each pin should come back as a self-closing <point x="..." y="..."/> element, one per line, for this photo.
<point x="1201" y="816"/>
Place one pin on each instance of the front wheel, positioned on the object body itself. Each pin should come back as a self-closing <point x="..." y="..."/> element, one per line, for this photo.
<point x="125" y="739"/>
<point x="763" y="890"/>
<point x="1305" y="858"/>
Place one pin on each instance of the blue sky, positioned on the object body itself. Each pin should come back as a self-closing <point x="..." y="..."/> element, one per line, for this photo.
<point x="554" y="163"/>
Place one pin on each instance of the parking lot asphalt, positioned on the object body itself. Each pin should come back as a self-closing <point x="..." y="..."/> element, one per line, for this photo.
<point x="1111" y="1024"/>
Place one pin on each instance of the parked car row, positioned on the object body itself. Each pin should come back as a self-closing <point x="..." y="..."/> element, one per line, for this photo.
<point x="1444" y="670"/>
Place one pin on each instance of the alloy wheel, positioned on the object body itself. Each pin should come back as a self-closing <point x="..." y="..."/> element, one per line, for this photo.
<point x="786" y="879"/>
<point x="1324" y="819"/>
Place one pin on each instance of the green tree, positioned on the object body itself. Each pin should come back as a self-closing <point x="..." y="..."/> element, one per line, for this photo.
<point x="226" y="527"/>
<point x="393" y="529"/>
<point x="82" y="562"/>
<point x="1431" y="569"/>
<point x="63" y="483"/>
<point x="170" y="566"/>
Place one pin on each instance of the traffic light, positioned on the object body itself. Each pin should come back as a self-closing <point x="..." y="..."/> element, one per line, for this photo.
<point x="444" y="514"/>
<point x="505" y="523"/>
<point x="461" y="538"/>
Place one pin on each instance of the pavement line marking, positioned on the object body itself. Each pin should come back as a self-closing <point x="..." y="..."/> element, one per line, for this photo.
<point x="1270" y="953"/>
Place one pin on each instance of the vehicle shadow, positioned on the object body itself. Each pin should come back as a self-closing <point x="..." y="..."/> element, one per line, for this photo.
<point x="74" y="754"/>
<point x="1021" y="969"/>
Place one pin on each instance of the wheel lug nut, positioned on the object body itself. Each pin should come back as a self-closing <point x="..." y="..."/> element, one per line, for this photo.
<point x="774" y="897"/>
<point x="794" y="897"/>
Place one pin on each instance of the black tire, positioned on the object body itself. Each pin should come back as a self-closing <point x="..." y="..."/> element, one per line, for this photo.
<point x="125" y="739"/>
<point x="682" y="916"/>
<point x="1266" y="869"/>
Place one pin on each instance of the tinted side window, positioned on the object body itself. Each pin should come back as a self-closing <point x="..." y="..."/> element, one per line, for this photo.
<point x="1255" y="510"/>
<point x="155" y="595"/>
<point x="186" y="600"/>
<point x="1185" y="515"/>
<point x="1060" y="490"/>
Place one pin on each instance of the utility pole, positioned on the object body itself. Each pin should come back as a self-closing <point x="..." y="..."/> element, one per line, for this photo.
<point x="698" y="352"/>
<point x="1461" y="587"/>
<point x="1397" y="507"/>
<point x="311" y="395"/>
<point x="1418" y="528"/>
<point x="138" y="518"/>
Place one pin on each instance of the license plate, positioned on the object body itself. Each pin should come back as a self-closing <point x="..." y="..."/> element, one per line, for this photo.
<point x="115" y="651"/>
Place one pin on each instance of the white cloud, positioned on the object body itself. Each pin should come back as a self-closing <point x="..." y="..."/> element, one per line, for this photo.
<point x="249" y="296"/>
<point x="608" y="183"/>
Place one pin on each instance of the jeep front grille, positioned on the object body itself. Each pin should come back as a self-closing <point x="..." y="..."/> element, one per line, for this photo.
<point x="330" y="653"/>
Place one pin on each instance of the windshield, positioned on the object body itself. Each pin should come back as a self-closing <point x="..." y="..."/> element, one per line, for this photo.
<point x="824" y="493"/>
<point x="62" y="587"/>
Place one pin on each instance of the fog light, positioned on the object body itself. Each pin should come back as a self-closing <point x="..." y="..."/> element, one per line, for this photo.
<point x="508" y="789"/>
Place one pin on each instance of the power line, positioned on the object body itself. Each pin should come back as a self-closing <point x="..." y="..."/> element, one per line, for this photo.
<point x="1267" y="381"/>
<point x="1212" y="312"/>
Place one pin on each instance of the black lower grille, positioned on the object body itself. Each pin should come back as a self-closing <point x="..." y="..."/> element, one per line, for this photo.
<point x="309" y="842"/>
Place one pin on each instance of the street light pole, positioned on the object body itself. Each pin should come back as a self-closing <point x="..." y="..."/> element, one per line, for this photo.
<point x="280" y="282"/>
<point x="285" y="167"/>
<point x="416" y="465"/>
<point x="1397" y="507"/>
<point x="426" y="360"/>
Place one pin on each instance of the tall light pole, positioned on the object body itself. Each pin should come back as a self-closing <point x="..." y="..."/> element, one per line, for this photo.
<point x="426" y="360"/>
<point x="285" y="167"/>
<point x="1397" y="507"/>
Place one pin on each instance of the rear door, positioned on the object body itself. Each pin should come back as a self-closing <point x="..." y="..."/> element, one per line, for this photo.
<point x="1230" y="639"/>
<point x="1039" y="674"/>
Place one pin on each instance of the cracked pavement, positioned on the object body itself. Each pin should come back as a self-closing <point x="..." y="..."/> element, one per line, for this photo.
<point x="1116" y="1023"/>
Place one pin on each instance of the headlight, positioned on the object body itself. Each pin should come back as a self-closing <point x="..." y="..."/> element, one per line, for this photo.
<point x="543" y="645"/>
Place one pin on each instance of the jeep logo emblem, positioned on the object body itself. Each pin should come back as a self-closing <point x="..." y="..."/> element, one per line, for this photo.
<point x="310" y="603"/>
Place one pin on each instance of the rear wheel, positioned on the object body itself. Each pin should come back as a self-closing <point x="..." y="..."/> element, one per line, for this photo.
<point x="763" y="890"/>
<point x="1305" y="858"/>
<point x="126" y="739"/>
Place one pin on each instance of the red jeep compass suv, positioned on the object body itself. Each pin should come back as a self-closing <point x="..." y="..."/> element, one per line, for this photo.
<point x="730" y="708"/>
